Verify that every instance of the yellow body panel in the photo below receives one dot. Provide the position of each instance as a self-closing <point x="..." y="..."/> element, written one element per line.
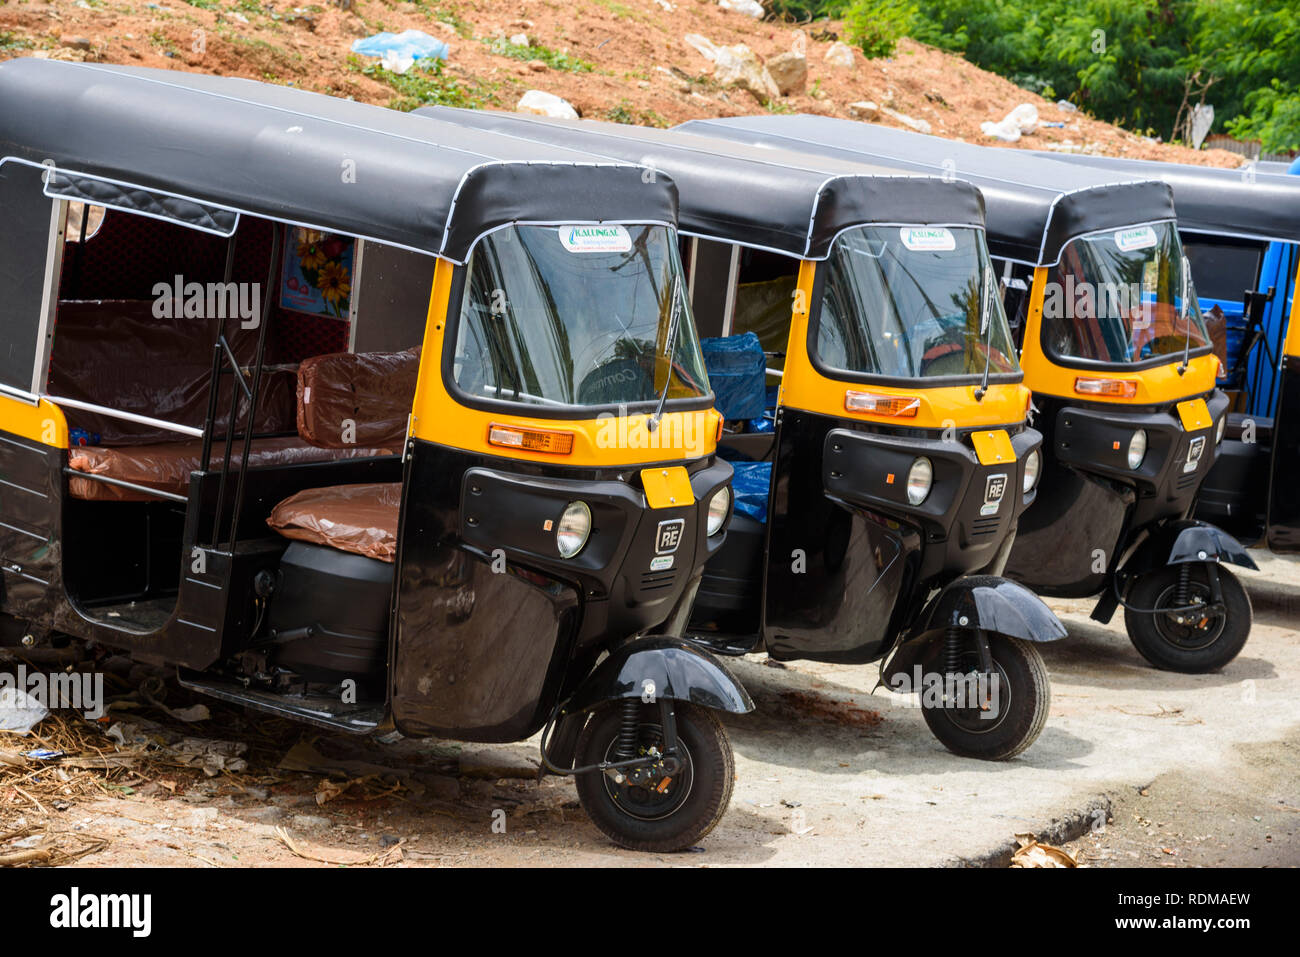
<point x="1195" y="415"/>
<point x="993" y="446"/>
<point x="604" y="441"/>
<point x="667" y="487"/>
<point x="1292" y="347"/>
<point x="43" y="422"/>
<point x="940" y="407"/>
<point x="1158" y="385"/>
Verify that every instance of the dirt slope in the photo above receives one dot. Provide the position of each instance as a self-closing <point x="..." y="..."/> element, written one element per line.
<point x="614" y="59"/>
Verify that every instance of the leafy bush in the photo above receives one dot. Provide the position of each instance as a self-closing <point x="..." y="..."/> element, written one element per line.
<point x="876" y="26"/>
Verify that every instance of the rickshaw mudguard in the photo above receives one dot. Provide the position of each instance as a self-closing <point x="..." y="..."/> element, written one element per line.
<point x="661" y="667"/>
<point x="990" y="603"/>
<point x="1183" y="541"/>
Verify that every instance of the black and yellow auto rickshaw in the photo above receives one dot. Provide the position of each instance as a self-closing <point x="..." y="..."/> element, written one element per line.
<point x="879" y="488"/>
<point x="1241" y="232"/>
<point x="1117" y="354"/>
<point x="364" y="420"/>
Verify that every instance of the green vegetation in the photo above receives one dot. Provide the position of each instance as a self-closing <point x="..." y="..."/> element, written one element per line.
<point x="1140" y="63"/>
<point x="552" y="58"/>
<point x="424" y="84"/>
<point x="625" y="112"/>
<point x="8" y="41"/>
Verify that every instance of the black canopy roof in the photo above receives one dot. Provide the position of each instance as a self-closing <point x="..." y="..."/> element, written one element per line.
<point x="794" y="203"/>
<point x="1225" y="202"/>
<point x="198" y="148"/>
<point x="1035" y="206"/>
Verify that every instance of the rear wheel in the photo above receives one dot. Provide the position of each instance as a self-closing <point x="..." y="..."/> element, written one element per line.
<point x="1005" y="718"/>
<point x="1188" y="641"/>
<point x="656" y="811"/>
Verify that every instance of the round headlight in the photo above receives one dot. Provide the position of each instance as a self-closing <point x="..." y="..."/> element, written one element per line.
<point x="1218" y="432"/>
<point x="919" y="478"/>
<point x="1137" y="448"/>
<point x="575" y="525"/>
<point x="719" y="505"/>
<point x="1033" y="462"/>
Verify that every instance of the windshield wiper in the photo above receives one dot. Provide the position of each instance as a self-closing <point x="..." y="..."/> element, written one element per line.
<point x="674" y="315"/>
<point x="1185" y="313"/>
<point x="986" y="331"/>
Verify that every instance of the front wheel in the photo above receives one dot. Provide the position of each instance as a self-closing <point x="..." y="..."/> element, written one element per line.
<point x="996" y="718"/>
<point x="657" y="812"/>
<point x="1190" y="641"/>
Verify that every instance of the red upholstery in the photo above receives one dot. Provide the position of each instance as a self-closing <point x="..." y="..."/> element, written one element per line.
<point x="167" y="465"/>
<point x="361" y="519"/>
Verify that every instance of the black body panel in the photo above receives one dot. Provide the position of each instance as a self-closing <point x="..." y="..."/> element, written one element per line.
<point x="492" y="626"/>
<point x="849" y="561"/>
<point x="1091" y="504"/>
<point x="1284" y="485"/>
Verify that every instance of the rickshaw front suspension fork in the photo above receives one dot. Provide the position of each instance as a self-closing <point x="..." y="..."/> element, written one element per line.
<point x="626" y="743"/>
<point x="954" y="648"/>
<point x="1182" y="593"/>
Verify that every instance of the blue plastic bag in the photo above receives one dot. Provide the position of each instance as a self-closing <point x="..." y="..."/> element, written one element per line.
<point x="738" y="373"/>
<point x="415" y="44"/>
<point x="750" y="486"/>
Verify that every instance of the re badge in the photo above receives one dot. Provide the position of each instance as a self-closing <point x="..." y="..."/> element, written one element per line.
<point x="669" y="536"/>
<point x="1194" y="451"/>
<point x="994" y="488"/>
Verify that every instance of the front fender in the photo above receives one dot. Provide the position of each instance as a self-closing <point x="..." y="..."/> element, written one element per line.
<point x="1183" y="541"/>
<point x="678" y="670"/>
<point x="990" y="603"/>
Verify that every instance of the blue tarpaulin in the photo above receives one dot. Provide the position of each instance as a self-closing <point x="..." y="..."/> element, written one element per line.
<point x="750" y="486"/>
<point x="737" y="372"/>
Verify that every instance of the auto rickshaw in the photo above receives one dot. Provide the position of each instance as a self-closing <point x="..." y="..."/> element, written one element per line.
<point x="879" y="488"/>
<point x="1117" y="354"/>
<point x="363" y="420"/>
<point x="1241" y="232"/>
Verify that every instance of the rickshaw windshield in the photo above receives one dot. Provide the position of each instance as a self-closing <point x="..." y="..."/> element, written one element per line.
<point x="1122" y="298"/>
<point x="913" y="302"/>
<point x="585" y="316"/>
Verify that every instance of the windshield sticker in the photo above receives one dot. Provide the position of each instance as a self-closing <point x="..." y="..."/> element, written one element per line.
<point x="928" y="238"/>
<point x="1141" y="237"/>
<point x="595" y="239"/>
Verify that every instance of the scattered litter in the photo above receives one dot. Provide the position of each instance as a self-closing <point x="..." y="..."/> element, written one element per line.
<point x="389" y="856"/>
<point x="1065" y="106"/>
<point x="44" y="754"/>
<point x="541" y="103"/>
<point x="1021" y="121"/>
<point x="750" y="8"/>
<point x="19" y="711"/>
<point x="1033" y="854"/>
<point x="398" y="51"/>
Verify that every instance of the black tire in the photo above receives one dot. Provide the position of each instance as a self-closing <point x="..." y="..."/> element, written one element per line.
<point x="681" y="819"/>
<point x="1184" y="646"/>
<point x="1024" y="697"/>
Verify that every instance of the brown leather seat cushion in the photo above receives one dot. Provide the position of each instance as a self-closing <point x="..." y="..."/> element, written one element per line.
<point x="347" y="399"/>
<point x="353" y="518"/>
<point x="167" y="465"/>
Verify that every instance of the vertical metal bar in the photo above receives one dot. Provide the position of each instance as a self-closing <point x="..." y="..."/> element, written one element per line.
<point x="214" y="392"/>
<point x="50" y="297"/>
<point x="230" y="439"/>
<point x="277" y="244"/>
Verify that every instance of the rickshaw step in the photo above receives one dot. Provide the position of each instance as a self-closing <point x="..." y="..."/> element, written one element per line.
<point x="324" y="711"/>
<point x="733" y="646"/>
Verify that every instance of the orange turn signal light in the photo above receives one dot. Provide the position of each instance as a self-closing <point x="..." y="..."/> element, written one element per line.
<point x="1113" y="388"/>
<point x="530" y="440"/>
<point x="897" y="406"/>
